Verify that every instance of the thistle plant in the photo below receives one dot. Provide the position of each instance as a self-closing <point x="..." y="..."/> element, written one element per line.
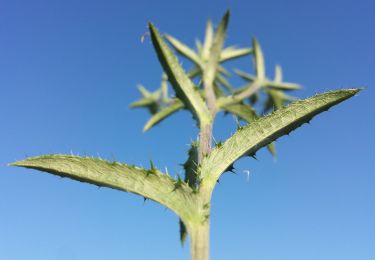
<point x="204" y="91"/>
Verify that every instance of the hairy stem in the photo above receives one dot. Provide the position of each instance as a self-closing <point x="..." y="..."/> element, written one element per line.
<point x="205" y="138"/>
<point x="199" y="244"/>
<point x="200" y="233"/>
<point x="205" y="135"/>
<point x="210" y="98"/>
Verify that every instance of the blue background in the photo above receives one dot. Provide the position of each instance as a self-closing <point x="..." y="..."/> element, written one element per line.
<point x="69" y="70"/>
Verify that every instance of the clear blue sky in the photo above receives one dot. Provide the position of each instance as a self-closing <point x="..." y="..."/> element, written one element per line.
<point x="69" y="70"/>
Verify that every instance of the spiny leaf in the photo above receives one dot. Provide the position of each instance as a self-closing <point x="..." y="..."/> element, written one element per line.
<point x="215" y="51"/>
<point x="144" y="91"/>
<point x="144" y="102"/>
<point x="183" y="86"/>
<point x="118" y="176"/>
<point x="199" y="47"/>
<point x="217" y="90"/>
<point x="275" y="84"/>
<point x="244" y="75"/>
<point x="149" y="100"/>
<point x="164" y="89"/>
<point x="208" y="39"/>
<point x="230" y="53"/>
<point x="163" y="114"/>
<point x="278" y="74"/>
<point x="258" y="60"/>
<point x="223" y="82"/>
<point x="276" y="99"/>
<point x="278" y="83"/>
<point x="282" y="85"/>
<point x="194" y="72"/>
<point x="184" y="50"/>
<point x="266" y="130"/>
<point x="223" y="71"/>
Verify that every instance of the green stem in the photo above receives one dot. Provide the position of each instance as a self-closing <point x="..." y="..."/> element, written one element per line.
<point x="205" y="139"/>
<point x="200" y="231"/>
<point x="200" y="241"/>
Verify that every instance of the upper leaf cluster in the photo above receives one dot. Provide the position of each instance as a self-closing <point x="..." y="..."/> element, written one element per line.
<point x="208" y="58"/>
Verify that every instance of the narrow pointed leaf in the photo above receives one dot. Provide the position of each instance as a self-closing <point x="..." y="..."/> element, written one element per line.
<point x="258" y="60"/>
<point x="158" y="187"/>
<point x="164" y="88"/>
<point x="278" y="83"/>
<point x="208" y="39"/>
<point x="148" y="97"/>
<point x="244" y="112"/>
<point x="278" y="74"/>
<point x="199" y="47"/>
<point x="183" y="86"/>
<point x="149" y="100"/>
<point x="184" y="50"/>
<point x="142" y="102"/>
<point x="217" y="90"/>
<point x="215" y="51"/>
<point x="282" y="85"/>
<point x="266" y="130"/>
<point x="231" y="53"/>
<point x="223" y="71"/>
<point x="144" y="91"/>
<point x="194" y="72"/>
<point x="244" y="75"/>
<point x="224" y="82"/>
<point x="163" y="114"/>
<point x="276" y="100"/>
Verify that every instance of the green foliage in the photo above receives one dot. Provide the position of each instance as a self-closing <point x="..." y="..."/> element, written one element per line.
<point x="190" y="196"/>
<point x="183" y="86"/>
<point x="191" y="178"/>
<point x="267" y="129"/>
<point x="162" y="114"/>
<point x="258" y="60"/>
<point x="213" y="62"/>
<point x="191" y="166"/>
<point x="151" y="184"/>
